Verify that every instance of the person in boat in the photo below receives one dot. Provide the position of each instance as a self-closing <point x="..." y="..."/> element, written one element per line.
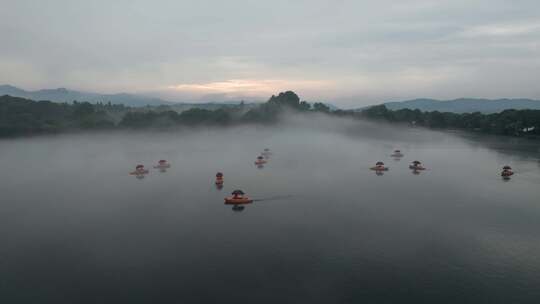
<point x="416" y="165"/>
<point x="219" y="178"/>
<point x="260" y="160"/>
<point x="238" y="194"/>
<point x="507" y="171"/>
<point x="139" y="170"/>
<point x="238" y="197"/>
<point x="379" y="166"/>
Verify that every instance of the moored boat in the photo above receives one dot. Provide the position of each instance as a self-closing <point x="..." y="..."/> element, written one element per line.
<point x="139" y="170"/>
<point x="379" y="166"/>
<point x="219" y="178"/>
<point x="260" y="161"/>
<point x="397" y="154"/>
<point x="507" y="172"/>
<point x="162" y="164"/>
<point x="417" y="166"/>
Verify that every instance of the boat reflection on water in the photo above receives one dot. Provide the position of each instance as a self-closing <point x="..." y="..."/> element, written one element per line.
<point x="379" y="173"/>
<point x="238" y="208"/>
<point x="397" y="155"/>
<point x="416" y="172"/>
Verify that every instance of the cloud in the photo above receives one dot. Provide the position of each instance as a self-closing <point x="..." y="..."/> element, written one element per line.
<point x="323" y="49"/>
<point x="238" y="88"/>
<point x="502" y="29"/>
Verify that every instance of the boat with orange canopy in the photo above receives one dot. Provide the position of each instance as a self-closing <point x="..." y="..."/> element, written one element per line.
<point x="238" y="198"/>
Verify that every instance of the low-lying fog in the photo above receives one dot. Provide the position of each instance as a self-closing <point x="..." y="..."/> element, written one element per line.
<point x="76" y="228"/>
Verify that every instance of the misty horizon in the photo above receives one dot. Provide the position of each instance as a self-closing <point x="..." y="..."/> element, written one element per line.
<point x="247" y="99"/>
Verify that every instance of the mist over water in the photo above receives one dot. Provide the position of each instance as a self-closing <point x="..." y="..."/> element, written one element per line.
<point x="76" y="228"/>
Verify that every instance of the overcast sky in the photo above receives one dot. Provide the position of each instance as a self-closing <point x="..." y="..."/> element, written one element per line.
<point x="347" y="52"/>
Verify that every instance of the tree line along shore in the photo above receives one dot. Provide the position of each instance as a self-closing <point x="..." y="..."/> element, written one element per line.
<point x="24" y="117"/>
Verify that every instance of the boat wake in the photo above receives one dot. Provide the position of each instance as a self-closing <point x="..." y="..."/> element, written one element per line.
<point x="272" y="198"/>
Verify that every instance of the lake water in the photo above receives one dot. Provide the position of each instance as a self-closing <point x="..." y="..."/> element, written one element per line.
<point x="76" y="228"/>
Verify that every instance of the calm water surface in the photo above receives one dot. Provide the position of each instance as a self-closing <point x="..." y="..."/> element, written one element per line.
<point x="76" y="228"/>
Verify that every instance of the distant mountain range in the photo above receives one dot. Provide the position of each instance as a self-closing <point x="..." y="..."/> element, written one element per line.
<point x="65" y="95"/>
<point x="131" y="100"/>
<point x="462" y="105"/>
<point x="465" y="105"/>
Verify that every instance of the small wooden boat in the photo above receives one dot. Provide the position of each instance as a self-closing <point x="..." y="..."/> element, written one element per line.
<point x="379" y="166"/>
<point x="260" y="161"/>
<point x="507" y="172"/>
<point x="238" y="198"/>
<point x="219" y="178"/>
<point x="416" y="165"/>
<point x="139" y="170"/>
<point x="397" y="153"/>
<point x="162" y="164"/>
